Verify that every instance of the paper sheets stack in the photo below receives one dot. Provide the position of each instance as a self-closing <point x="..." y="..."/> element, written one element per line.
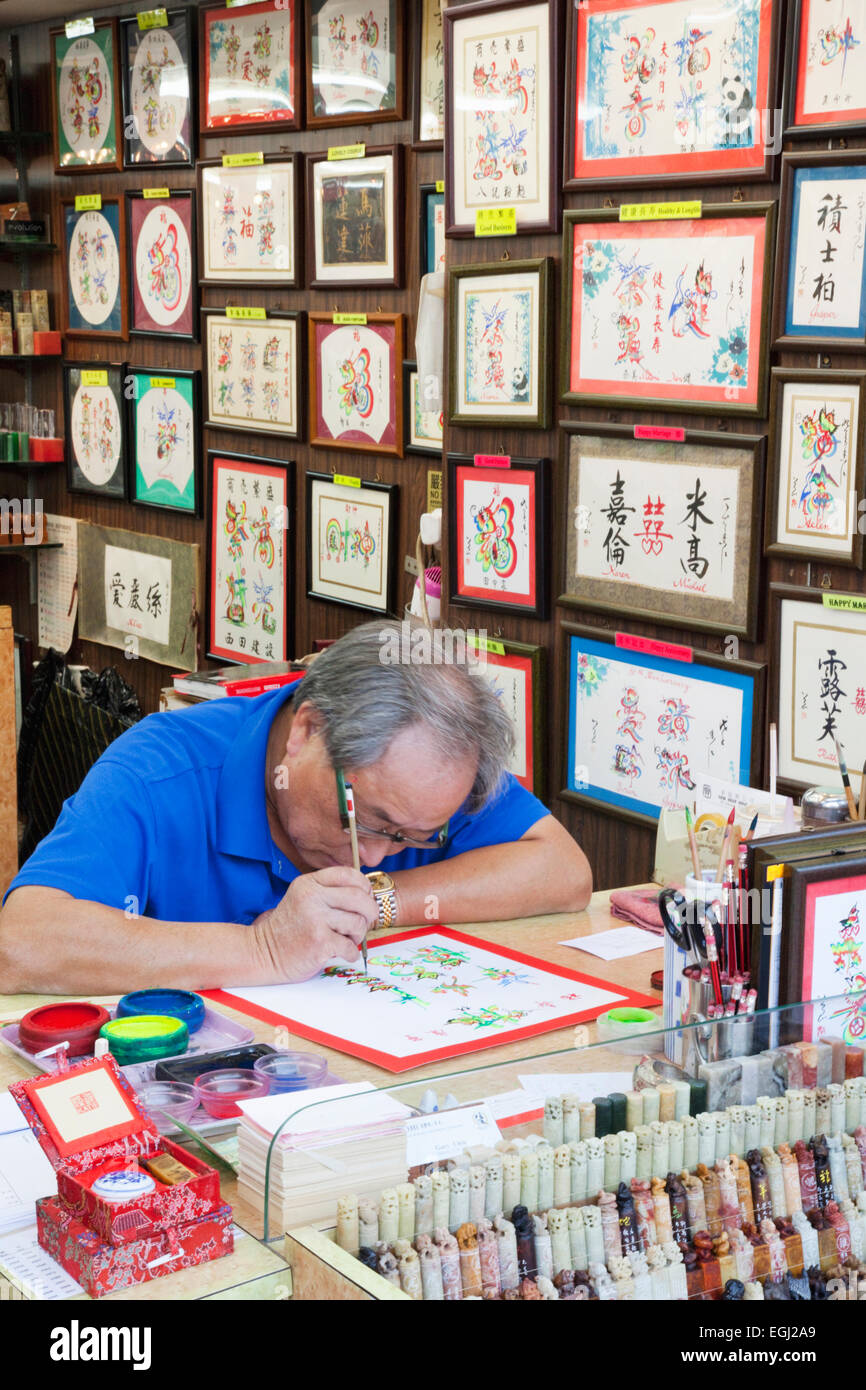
<point x="355" y="1142"/>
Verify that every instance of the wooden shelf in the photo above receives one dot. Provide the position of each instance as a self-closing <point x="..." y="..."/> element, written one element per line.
<point x="30" y="357"/>
<point x="20" y="548"/>
<point x="16" y="244"/>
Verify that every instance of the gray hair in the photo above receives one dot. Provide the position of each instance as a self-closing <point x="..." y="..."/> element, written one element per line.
<point x="365" y="700"/>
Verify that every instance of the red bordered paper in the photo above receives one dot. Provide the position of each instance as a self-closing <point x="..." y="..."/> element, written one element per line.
<point x="444" y="995"/>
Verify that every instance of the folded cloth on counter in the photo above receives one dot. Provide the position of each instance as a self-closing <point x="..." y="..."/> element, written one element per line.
<point x="639" y="906"/>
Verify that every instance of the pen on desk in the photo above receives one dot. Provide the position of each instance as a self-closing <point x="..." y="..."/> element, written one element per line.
<point x="693" y="844"/>
<point x="356" y="857"/>
<point x="846" y="781"/>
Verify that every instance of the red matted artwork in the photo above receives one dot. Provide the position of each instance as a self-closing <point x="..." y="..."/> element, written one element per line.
<point x="428" y="995"/>
<point x="356" y="397"/>
<point x="249" y="67"/>
<point x="671" y="313"/>
<point x="496" y="533"/>
<point x="829" y="66"/>
<point x="163" y="275"/>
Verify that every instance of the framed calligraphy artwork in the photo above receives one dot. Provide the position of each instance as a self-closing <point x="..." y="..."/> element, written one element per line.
<point x="353" y="222"/>
<point x="497" y="533"/>
<point x="354" y="61"/>
<point x="817" y="464"/>
<point x="818" y="642"/>
<point x="670" y="313"/>
<point x="95" y="428"/>
<point x="351" y="541"/>
<point x="664" y="528"/>
<point x="253" y="372"/>
<point x="431" y="230"/>
<point x="826" y="60"/>
<point x="249" y="557"/>
<point x="95" y="298"/>
<point x="820" y="287"/>
<point x="162" y="268"/>
<point x="643" y="727"/>
<point x="250" y="232"/>
<point x="823" y="927"/>
<point x="498" y="329"/>
<point x="502" y="113"/>
<point x="249" y="68"/>
<point x="85" y="96"/>
<point x="428" y="114"/>
<point x="424" y="429"/>
<point x="158" y="116"/>
<point x="164" y="433"/>
<point x="515" y="673"/>
<point x="667" y="92"/>
<point x="356" y="400"/>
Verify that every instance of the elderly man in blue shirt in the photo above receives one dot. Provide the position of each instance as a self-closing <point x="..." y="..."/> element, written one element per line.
<point x="206" y="847"/>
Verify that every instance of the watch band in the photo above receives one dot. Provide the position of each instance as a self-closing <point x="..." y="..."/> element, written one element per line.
<point x="386" y="901"/>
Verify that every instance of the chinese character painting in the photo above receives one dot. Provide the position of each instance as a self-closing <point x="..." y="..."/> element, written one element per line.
<point x="249" y="223"/>
<point x="249" y="68"/>
<point x="827" y="57"/>
<point x="830" y="931"/>
<point x="423" y="427"/>
<point x="356" y="400"/>
<point x="820" y="292"/>
<point x="157" y="97"/>
<point x="86" y="96"/>
<point x="514" y="672"/>
<point x="140" y="594"/>
<point x="163" y="272"/>
<point x="95" y="298"/>
<point x="95" y="431"/>
<point x="429" y="84"/>
<point x="354" y="61"/>
<point x="165" y="460"/>
<point x="498" y="326"/>
<point x="253" y="373"/>
<point x="496" y="533"/>
<point x="350" y="541"/>
<point x="353" y="219"/>
<point x="250" y="530"/>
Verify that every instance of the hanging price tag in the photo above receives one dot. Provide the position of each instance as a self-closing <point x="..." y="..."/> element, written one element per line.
<point x="487" y="644"/>
<point x="346" y="151"/>
<point x="343" y="480"/>
<point x="440" y="185"/>
<point x="350" y="319"/>
<point x="152" y="19"/>
<point x="156" y="192"/>
<point x="238" y="161"/>
<point x="77" y="28"/>
<point x="852" y="602"/>
<point x="491" y="460"/>
<point x="245" y="311"/>
<point x="658" y="212"/>
<point x="669" y="651"/>
<point x="88" y="202"/>
<point x="496" y="222"/>
<point x="666" y="433"/>
<point x="94" y="378"/>
<point x="162" y="383"/>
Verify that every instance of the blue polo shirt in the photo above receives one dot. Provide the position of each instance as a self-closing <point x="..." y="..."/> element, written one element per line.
<point x="171" y="822"/>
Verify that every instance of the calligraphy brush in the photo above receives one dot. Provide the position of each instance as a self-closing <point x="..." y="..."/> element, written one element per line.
<point x="724" y="854"/>
<point x="693" y="844"/>
<point x="732" y="960"/>
<point x="346" y="801"/>
<point x="743" y="857"/>
<point x="712" y="951"/>
<point x="846" y="781"/>
<point x="747" y="838"/>
<point x="861" y="809"/>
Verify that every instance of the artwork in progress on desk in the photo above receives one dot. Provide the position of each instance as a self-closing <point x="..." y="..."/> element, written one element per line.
<point x="247" y="558"/>
<point x="820" y="290"/>
<point x="249" y="68"/>
<point x="431" y="994"/>
<point x="643" y="727"/>
<point x="827" y="63"/>
<point x="249" y="223"/>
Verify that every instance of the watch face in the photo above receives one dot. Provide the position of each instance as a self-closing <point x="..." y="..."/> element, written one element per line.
<point x="380" y="881"/>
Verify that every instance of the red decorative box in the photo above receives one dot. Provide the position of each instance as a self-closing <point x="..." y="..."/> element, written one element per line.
<point x="88" y="1122"/>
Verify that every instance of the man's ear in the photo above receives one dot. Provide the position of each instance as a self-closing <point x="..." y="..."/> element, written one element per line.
<point x="306" y="724"/>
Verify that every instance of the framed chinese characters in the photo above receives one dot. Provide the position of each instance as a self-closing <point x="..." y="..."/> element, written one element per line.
<point x="428" y="116"/>
<point x="353" y="227"/>
<point x="158" y="125"/>
<point x="664" y="92"/>
<point x="498" y="330"/>
<point x="356" y="401"/>
<point x="164" y="432"/>
<point x="95" y="428"/>
<point x="668" y="313"/>
<point x="95" y="297"/>
<point x="817" y="464"/>
<point x="826" y="58"/>
<point x="354" y="61"/>
<point x="642" y="726"/>
<point x="431" y="230"/>
<point x="249" y="511"/>
<point x="351" y="541"/>
<point x="249" y="222"/>
<point x="85" y="93"/>
<point x="823" y="920"/>
<point x="664" y="528"/>
<point x="515" y="673"/>
<point x="818" y="639"/>
<point x="253" y="371"/>
<point x="249" y="68"/>
<point x="502" y="113"/>
<point x="423" y="428"/>
<point x="162" y="269"/>
<point x="820" y="287"/>
<point x="497" y="533"/>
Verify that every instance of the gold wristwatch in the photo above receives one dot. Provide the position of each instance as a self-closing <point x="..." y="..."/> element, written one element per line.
<point x="386" y="898"/>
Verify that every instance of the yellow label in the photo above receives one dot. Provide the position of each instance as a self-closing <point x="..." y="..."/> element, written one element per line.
<point x="239" y="161"/>
<point x="152" y="19"/>
<point x="775" y="871"/>
<point x="488" y="645"/>
<point x="658" y="212"/>
<point x="94" y="378"/>
<point x="496" y="222"/>
<point x="346" y="151"/>
<point x="434" y="489"/>
<point x="245" y="311"/>
<point x="350" y="318"/>
<point x="77" y="28"/>
<point x="343" y="480"/>
<point x="849" y="601"/>
<point x="162" y="383"/>
<point x="238" y="4"/>
<point x="440" y="185"/>
<point x="88" y="202"/>
<point x="156" y="192"/>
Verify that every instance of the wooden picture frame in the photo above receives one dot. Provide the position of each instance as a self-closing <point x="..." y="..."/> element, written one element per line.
<point x="816" y="78"/>
<point x="601" y="656"/>
<point x="254" y="372"/>
<point x="250" y="542"/>
<point x="379" y="31"/>
<point x="85" y="99"/>
<point x="679" y="322"/>
<point x="159" y="126"/>
<point x="515" y="139"/>
<point x="812" y="490"/>
<point x="823" y="909"/>
<point x="498" y="534"/>
<point x="423" y="429"/>
<point x="626" y="75"/>
<point x="346" y="564"/>
<point x="498" y="326"/>
<point x="356" y="397"/>
<point x="431" y="228"/>
<point x="162" y="272"/>
<point x="164" y="431"/>
<point x="354" y="209"/>
<point x="796" y="322"/>
<point x="250" y="223"/>
<point x="626" y="547"/>
<point x="428" y="86"/>
<point x="97" y="281"/>
<point x="516" y="672"/>
<point x="96" y="428"/>
<point x="232" y="43"/>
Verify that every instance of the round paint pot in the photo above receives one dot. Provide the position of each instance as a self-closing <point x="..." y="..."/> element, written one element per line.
<point x="220" y="1091"/>
<point x="166" y="1101"/>
<point x="144" y="1038"/>
<point x="170" y="1003"/>
<point x="291" y="1071"/>
<point x="77" y="1023"/>
<point x="123" y="1185"/>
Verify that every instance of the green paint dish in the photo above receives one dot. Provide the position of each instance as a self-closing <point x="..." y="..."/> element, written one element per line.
<point x="144" y="1038"/>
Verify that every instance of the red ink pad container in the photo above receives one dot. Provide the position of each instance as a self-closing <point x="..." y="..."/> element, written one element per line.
<point x="77" y="1023"/>
<point x="220" y="1091"/>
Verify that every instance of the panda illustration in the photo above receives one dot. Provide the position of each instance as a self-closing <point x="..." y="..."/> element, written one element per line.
<point x="736" y="109"/>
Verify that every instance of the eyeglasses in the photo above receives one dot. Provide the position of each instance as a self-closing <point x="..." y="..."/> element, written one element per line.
<point x="401" y="838"/>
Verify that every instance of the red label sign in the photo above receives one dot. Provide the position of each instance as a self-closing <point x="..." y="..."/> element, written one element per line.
<point x="670" y="650"/>
<point x="666" y="432"/>
<point x="492" y="460"/>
